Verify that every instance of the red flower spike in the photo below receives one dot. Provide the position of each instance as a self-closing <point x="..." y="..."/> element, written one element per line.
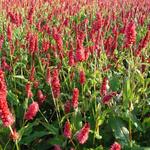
<point x="75" y="98"/>
<point x="83" y="134"/>
<point x="67" y="106"/>
<point x="55" y="83"/>
<point x="67" y="130"/>
<point x="82" y="77"/>
<point x="71" y="58"/>
<point x="36" y="84"/>
<point x="143" y="44"/>
<point x="1" y="41"/>
<point x="115" y="146"/>
<point x="41" y="97"/>
<point x="108" y="97"/>
<point x="130" y="34"/>
<point x="32" y="74"/>
<point x="9" y="33"/>
<point x="48" y="76"/>
<point x="5" y="66"/>
<point x="5" y="114"/>
<point x="28" y="90"/>
<point x="32" y="111"/>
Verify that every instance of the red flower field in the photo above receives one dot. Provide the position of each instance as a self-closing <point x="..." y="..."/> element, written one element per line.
<point x="75" y="74"/>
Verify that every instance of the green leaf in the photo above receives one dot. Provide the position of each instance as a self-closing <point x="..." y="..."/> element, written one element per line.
<point x="120" y="131"/>
<point x="37" y="134"/>
<point x="20" y="77"/>
<point x="12" y="98"/>
<point x="115" y="83"/>
<point x="52" y="130"/>
<point x="146" y="122"/>
<point x="57" y="140"/>
<point x="127" y="92"/>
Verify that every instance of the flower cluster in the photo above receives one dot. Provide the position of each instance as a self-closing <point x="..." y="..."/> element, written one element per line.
<point x="32" y="111"/>
<point x="5" y="114"/>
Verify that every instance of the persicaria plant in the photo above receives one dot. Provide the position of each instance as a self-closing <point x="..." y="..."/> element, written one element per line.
<point x="75" y="74"/>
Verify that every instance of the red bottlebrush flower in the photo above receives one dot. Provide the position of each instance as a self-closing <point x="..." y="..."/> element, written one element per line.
<point x="48" y="76"/>
<point x="75" y="98"/>
<point x="83" y="134"/>
<point x="97" y="24"/>
<point x="66" y="22"/>
<point x="67" y="130"/>
<point x="15" y="18"/>
<point x="115" y="146"/>
<point x="32" y="111"/>
<point x="38" y="26"/>
<point x="9" y="33"/>
<point x="30" y="14"/>
<point x="45" y="46"/>
<point x="55" y="83"/>
<point x="104" y="87"/>
<point x="58" y="39"/>
<point x="15" y="135"/>
<point x="71" y="58"/>
<point x="108" y="97"/>
<point x="5" y="113"/>
<point x="33" y="43"/>
<point x="4" y="64"/>
<point x="41" y="97"/>
<point x="130" y="34"/>
<point x="80" y="54"/>
<point x="82" y="77"/>
<point x="32" y="73"/>
<point x="143" y="44"/>
<point x="36" y="84"/>
<point x="67" y="107"/>
<point x="80" y="51"/>
<point x="28" y="90"/>
<point x="46" y="28"/>
<point x="1" y="41"/>
<point x="86" y="53"/>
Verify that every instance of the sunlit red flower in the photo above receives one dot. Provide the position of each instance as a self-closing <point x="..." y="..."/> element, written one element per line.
<point x="82" y="77"/>
<point x="143" y="43"/>
<point x="108" y="97"/>
<point x="32" y="73"/>
<point x="41" y="97"/>
<point x="67" y="106"/>
<point x="9" y="33"/>
<point x="75" y="98"/>
<point x="130" y="34"/>
<point x="67" y="130"/>
<point x="115" y="146"/>
<point x="71" y="58"/>
<point x="28" y="90"/>
<point x="1" y="41"/>
<point x="48" y="76"/>
<point x="32" y="111"/>
<point x="5" y="114"/>
<point x="55" y="83"/>
<point x="83" y="134"/>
